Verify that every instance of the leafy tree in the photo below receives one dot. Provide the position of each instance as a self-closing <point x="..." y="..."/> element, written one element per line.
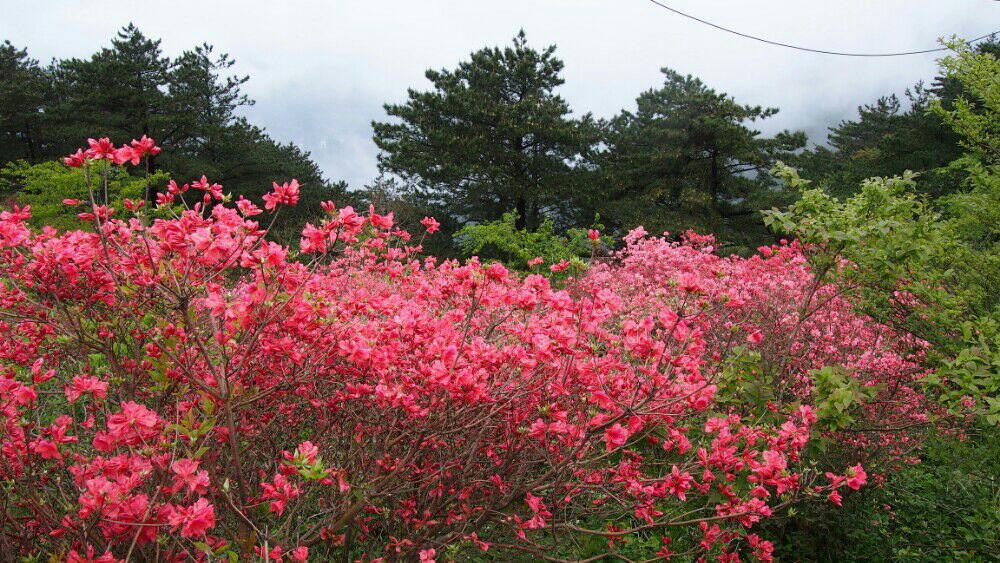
<point x="492" y="136"/>
<point x="687" y="158"/>
<point x="22" y="89"/>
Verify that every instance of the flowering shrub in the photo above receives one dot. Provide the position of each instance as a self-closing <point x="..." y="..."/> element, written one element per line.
<point x="185" y="388"/>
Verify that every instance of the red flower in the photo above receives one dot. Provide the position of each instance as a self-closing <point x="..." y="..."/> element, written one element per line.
<point x="283" y="194"/>
<point x="615" y="437"/>
<point x="100" y="148"/>
<point x="76" y="159"/>
<point x="145" y="146"/>
<point x="193" y="521"/>
<point x="431" y="224"/>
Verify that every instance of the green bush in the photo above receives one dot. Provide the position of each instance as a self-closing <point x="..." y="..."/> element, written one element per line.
<point x="947" y="508"/>
<point x="45" y="185"/>
<point x="502" y="240"/>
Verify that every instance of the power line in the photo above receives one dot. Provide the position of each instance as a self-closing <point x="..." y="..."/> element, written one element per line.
<point x="807" y="49"/>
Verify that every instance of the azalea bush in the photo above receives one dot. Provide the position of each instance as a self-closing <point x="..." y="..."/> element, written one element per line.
<point x="184" y="388"/>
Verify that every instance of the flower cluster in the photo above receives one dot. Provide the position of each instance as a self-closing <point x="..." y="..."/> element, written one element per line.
<point x="188" y="389"/>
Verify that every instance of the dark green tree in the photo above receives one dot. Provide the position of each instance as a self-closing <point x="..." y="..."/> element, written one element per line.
<point x="892" y="136"/>
<point x="189" y="104"/>
<point x="119" y="93"/>
<point x="885" y="140"/>
<point x="492" y="136"/>
<point x="687" y="157"/>
<point x="22" y="92"/>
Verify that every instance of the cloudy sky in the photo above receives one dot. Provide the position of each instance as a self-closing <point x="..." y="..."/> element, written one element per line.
<point x="320" y="70"/>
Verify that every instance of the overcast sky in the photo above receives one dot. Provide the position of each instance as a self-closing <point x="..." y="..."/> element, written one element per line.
<point x="321" y="70"/>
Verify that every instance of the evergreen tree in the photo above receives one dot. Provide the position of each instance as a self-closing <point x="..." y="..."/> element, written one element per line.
<point x="888" y="138"/>
<point x="117" y="93"/>
<point x="885" y="140"/>
<point x="687" y="158"/>
<point x="22" y="89"/>
<point x="492" y="136"/>
<point x="189" y="104"/>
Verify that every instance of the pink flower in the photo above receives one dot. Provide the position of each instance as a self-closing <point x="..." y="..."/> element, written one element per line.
<point x="496" y="272"/>
<point x="47" y="449"/>
<point x="562" y="265"/>
<point x="755" y="337"/>
<point x="427" y="556"/>
<point x="431" y="224"/>
<point x="193" y="521"/>
<point x="75" y="557"/>
<point x="280" y="490"/>
<point x="678" y="483"/>
<point x="247" y="208"/>
<point x="86" y="384"/>
<point x="125" y="154"/>
<point x="75" y="160"/>
<point x="100" y="149"/>
<point x="594" y="235"/>
<point x="379" y="221"/>
<point x="187" y="475"/>
<point x="615" y="437"/>
<point x="856" y="477"/>
<point x="534" y="503"/>
<point x="212" y="190"/>
<point x="145" y="146"/>
<point x="283" y="194"/>
<point x="307" y="451"/>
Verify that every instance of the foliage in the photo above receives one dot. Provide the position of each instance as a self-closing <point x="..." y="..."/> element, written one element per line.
<point x="526" y="250"/>
<point x="45" y="186"/>
<point x="930" y="268"/>
<point x="687" y="158"/>
<point x="947" y="508"/>
<point x="183" y="387"/>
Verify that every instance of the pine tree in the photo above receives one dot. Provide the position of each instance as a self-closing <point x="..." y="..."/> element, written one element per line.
<point x="492" y="136"/>
<point x="22" y="90"/>
<point x="688" y="158"/>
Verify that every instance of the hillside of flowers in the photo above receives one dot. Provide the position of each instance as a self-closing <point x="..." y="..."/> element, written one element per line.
<point x="176" y="386"/>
